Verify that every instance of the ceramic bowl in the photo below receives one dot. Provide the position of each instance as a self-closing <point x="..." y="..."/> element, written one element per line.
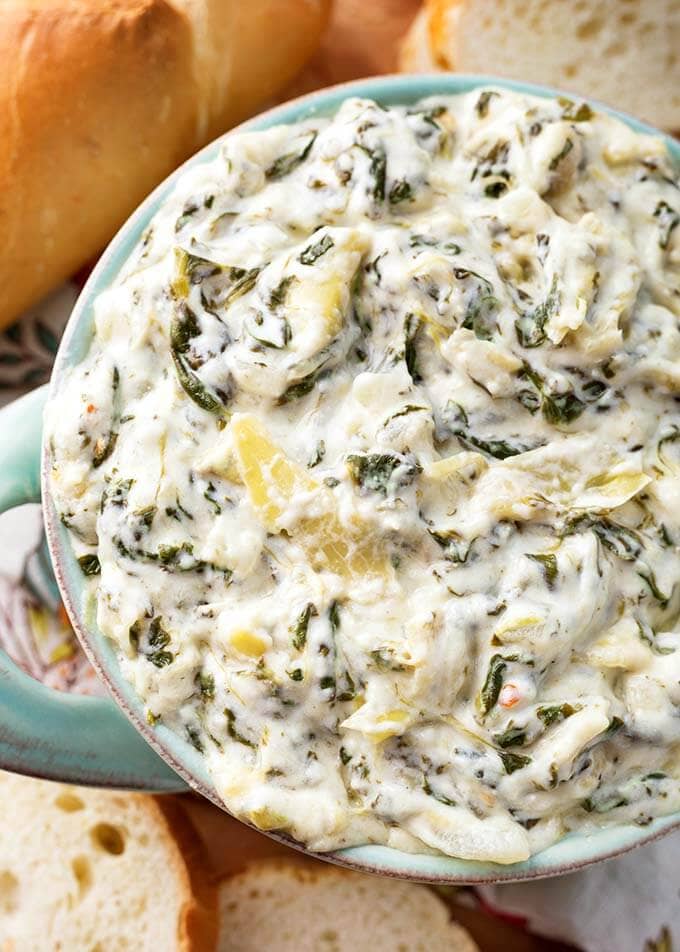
<point x="88" y="740"/>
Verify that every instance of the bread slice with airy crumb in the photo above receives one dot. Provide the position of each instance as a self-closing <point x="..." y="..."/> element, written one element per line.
<point x="288" y="907"/>
<point x="623" y="52"/>
<point x="97" y="871"/>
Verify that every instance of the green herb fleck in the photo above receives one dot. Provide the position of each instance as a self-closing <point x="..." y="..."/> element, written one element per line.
<point x="575" y="112"/>
<point x="668" y="219"/>
<point x="512" y="762"/>
<point x="530" y="327"/>
<point x="195" y="738"/>
<point x="313" y="252"/>
<point x="382" y="472"/>
<point x="562" y="154"/>
<point x="301" y="388"/>
<point x="278" y="295"/>
<point x="412" y="325"/>
<point x="287" y="163"/>
<point x="488" y="696"/>
<point x="554" y="713"/>
<point x="482" y="104"/>
<point x="231" y="729"/>
<point x="456" y="421"/>
<point x="89" y="564"/>
<point x="206" y="685"/>
<point x="548" y="563"/>
<point x="301" y="626"/>
<point x="512" y="737"/>
<point x="400" y="192"/>
<point x="437" y="796"/>
<point x="318" y="454"/>
<point x="378" y="172"/>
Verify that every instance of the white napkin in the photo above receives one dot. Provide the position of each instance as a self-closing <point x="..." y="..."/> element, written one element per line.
<point x="628" y="904"/>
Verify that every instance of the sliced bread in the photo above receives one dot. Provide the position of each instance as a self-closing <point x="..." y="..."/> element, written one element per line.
<point x="286" y="907"/>
<point x="98" y="871"/>
<point x="624" y="52"/>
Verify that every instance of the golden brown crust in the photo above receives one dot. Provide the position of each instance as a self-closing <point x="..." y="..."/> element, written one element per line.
<point x="100" y="100"/>
<point x="439" y="14"/>
<point x="198" y="925"/>
<point x="85" y="87"/>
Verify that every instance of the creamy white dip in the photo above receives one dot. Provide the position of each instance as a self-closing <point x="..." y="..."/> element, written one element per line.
<point x="375" y="463"/>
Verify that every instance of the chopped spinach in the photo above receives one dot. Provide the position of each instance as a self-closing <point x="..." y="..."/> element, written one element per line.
<point x="561" y="155"/>
<point x="548" y="563"/>
<point x="437" y="796"/>
<point x="382" y="472"/>
<point x="412" y="325"/>
<point x="555" y="407"/>
<point x="233" y="732"/>
<point x="668" y="219"/>
<point x="313" y="252"/>
<point x="334" y="616"/>
<point x="195" y="739"/>
<point x="206" y="685"/>
<point x="184" y="328"/>
<point x="530" y="327"/>
<point x="455" y="419"/>
<point x="554" y="713"/>
<point x="456" y="549"/>
<point x="378" y="172"/>
<point x="512" y="762"/>
<point x="159" y="639"/>
<point x="512" y="737"/>
<point x="278" y="295"/>
<point x="626" y="545"/>
<point x="89" y="564"/>
<point x="301" y="626"/>
<point x="482" y="104"/>
<point x="287" y="163"/>
<point x="104" y="446"/>
<point x="301" y="388"/>
<point x="244" y="281"/>
<point x="575" y="112"/>
<point x="318" y="455"/>
<point x="188" y="212"/>
<point x="488" y="695"/>
<point x="400" y="192"/>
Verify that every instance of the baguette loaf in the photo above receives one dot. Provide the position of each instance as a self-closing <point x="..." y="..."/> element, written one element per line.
<point x="101" y="99"/>
<point x="95" y="870"/>
<point x="282" y="906"/>
<point x="625" y="53"/>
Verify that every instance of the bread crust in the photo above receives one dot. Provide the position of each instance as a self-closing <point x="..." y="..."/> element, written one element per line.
<point x="101" y="99"/>
<point x="439" y="13"/>
<point x="72" y="119"/>
<point x="198" y="922"/>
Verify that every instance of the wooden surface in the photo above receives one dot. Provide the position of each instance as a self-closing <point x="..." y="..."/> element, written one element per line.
<point x="361" y="41"/>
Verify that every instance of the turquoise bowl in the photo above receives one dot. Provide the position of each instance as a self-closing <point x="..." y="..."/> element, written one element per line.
<point x="89" y="740"/>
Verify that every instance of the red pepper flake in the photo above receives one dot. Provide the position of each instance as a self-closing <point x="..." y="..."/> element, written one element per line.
<point x="91" y="408"/>
<point x="509" y="696"/>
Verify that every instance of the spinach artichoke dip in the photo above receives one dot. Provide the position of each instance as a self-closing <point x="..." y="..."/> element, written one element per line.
<point x="374" y="463"/>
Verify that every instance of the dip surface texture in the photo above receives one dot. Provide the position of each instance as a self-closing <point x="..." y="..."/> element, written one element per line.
<point x="374" y="463"/>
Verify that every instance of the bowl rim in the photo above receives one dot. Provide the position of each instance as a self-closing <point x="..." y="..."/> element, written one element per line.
<point x="575" y="850"/>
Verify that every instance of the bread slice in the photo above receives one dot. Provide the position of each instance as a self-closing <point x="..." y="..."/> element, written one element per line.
<point x="415" y="55"/>
<point x="624" y="52"/>
<point x="286" y="907"/>
<point x="97" y="871"/>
